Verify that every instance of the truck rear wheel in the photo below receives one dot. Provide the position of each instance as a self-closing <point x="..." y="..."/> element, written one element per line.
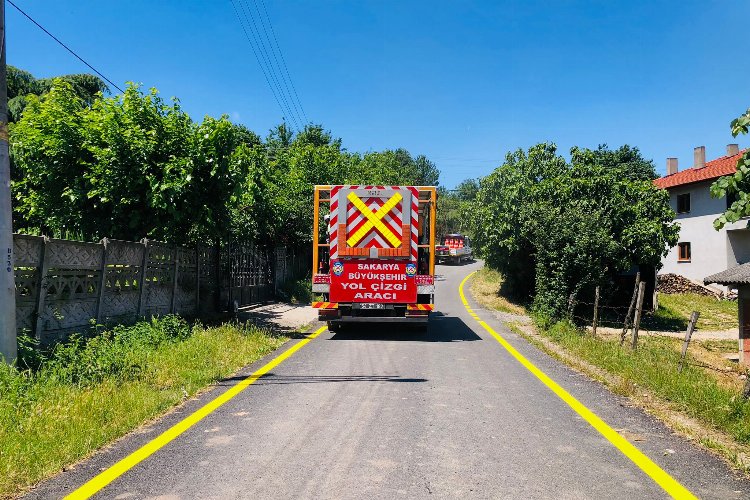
<point x="335" y="327"/>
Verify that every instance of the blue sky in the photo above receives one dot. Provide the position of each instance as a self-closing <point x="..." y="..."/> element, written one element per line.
<point x="462" y="82"/>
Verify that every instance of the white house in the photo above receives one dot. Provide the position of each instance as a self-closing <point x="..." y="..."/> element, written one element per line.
<point x="703" y="251"/>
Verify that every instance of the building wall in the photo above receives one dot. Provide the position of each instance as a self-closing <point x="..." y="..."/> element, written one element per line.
<point x="738" y="248"/>
<point x="710" y="251"/>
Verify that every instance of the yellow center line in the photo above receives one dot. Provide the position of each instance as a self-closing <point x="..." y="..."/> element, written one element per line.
<point x="667" y="482"/>
<point x="107" y="476"/>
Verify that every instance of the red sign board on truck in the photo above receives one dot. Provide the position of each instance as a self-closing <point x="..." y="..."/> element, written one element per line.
<point x="373" y="281"/>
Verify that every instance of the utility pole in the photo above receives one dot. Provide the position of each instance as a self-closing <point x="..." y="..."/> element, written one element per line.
<point x="8" y="345"/>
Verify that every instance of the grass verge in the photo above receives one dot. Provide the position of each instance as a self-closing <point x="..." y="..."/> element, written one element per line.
<point x="703" y="403"/>
<point x="83" y="395"/>
<point x="654" y="366"/>
<point x="485" y="288"/>
<point x="674" y="311"/>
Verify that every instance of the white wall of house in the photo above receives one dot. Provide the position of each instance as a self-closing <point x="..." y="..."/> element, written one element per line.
<point x="711" y="251"/>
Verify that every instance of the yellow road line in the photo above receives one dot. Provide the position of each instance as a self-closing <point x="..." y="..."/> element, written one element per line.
<point x="107" y="476"/>
<point x="667" y="482"/>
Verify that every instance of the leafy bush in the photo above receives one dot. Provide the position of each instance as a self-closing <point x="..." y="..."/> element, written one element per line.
<point x="554" y="228"/>
<point x="84" y="361"/>
<point x="297" y="291"/>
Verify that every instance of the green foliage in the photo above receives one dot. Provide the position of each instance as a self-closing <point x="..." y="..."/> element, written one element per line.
<point x="737" y="185"/>
<point x="554" y="229"/>
<point x="49" y="157"/>
<point x="80" y="396"/>
<point x="22" y="84"/>
<point x="626" y="161"/>
<point x="134" y="165"/>
<point x="297" y="291"/>
<point x="454" y="207"/>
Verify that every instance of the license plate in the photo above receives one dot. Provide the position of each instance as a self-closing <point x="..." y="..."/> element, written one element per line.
<point x="370" y="306"/>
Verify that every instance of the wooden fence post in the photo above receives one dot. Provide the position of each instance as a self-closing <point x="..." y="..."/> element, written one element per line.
<point x="571" y="305"/>
<point x="688" y="335"/>
<point x="175" y="275"/>
<point x="142" y="280"/>
<point x="41" y="292"/>
<point x="596" y="312"/>
<point x="102" y="280"/>
<point x="638" y="313"/>
<point x="630" y="309"/>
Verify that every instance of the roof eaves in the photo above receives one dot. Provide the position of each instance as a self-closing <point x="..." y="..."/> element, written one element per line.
<point x="738" y="275"/>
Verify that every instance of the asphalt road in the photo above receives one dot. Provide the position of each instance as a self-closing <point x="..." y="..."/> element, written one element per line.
<point x="387" y="412"/>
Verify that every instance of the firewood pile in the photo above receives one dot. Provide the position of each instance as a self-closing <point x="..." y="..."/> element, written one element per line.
<point x="674" y="283"/>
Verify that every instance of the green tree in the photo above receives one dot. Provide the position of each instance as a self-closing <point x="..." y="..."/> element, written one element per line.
<point x="49" y="156"/>
<point x="22" y="84"/>
<point x="454" y="208"/>
<point x="737" y="185"/>
<point x="133" y="165"/>
<point x="127" y="167"/>
<point x="626" y="160"/>
<point x="555" y="229"/>
<point x="467" y="190"/>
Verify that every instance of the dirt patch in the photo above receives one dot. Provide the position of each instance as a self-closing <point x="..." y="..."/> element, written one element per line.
<point x="279" y="315"/>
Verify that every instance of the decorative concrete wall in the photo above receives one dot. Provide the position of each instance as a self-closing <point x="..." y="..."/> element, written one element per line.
<point x="65" y="287"/>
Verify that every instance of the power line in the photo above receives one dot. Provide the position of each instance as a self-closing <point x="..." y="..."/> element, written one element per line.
<point x="65" y="46"/>
<point x="294" y="105"/>
<point x="283" y="60"/>
<point x="266" y="59"/>
<point x="257" y="58"/>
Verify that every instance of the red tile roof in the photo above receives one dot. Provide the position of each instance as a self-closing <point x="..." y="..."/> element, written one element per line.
<point x="713" y="170"/>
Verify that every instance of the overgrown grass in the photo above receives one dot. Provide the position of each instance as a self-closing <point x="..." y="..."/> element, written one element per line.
<point x="654" y="366"/>
<point x="486" y="289"/>
<point x="83" y="395"/>
<point x="675" y="309"/>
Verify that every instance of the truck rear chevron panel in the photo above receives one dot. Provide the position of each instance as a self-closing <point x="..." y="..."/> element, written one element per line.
<point x="377" y="217"/>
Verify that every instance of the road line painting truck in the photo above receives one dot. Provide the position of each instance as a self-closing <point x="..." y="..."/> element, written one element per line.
<point x="374" y="254"/>
<point x="454" y="248"/>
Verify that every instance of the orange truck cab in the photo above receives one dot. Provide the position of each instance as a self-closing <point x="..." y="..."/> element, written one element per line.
<point x="374" y="254"/>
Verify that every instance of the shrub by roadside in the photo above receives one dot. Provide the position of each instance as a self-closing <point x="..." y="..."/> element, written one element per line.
<point x="298" y="291"/>
<point x="64" y="404"/>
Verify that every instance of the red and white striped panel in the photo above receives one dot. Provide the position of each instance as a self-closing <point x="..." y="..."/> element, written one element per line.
<point x="392" y="220"/>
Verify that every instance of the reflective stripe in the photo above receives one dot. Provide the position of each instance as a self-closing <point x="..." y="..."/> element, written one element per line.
<point x="325" y="305"/>
<point x="420" y="307"/>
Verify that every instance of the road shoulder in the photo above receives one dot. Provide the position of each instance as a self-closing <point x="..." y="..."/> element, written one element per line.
<point x="702" y="472"/>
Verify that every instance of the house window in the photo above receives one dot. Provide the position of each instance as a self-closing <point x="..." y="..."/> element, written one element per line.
<point x="683" y="203"/>
<point x="683" y="252"/>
